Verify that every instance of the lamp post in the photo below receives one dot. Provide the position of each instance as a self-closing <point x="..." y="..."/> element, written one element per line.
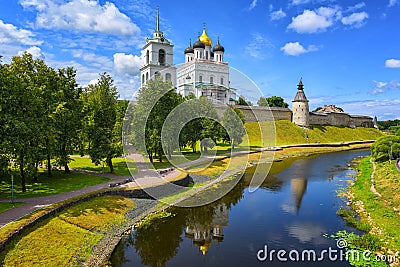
<point x="390" y="153"/>
<point x="12" y="189"/>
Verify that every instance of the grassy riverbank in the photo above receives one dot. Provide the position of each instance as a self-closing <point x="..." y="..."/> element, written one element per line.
<point x="288" y="133"/>
<point x="382" y="213"/>
<point x="378" y="216"/>
<point x="68" y="239"/>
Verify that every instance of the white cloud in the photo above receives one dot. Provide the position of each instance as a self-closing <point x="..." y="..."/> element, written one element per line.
<point x="295" y="49"/>
<point x="277" y="15"/>
<point x="313" y="21"/>
<point x="11" y="34"/>
<point x="383" y="87"/>
<point x="355" y="19"/>
<point x="392" y="3"/>
<point x="380" y="84"/>
<point x="259" y="46"/>
<point x="91" y="58"/>
<point x="129" y="64"/>
<point x="392" y="63"/>
<point x="82" y="15"/>
<point x="299" y="2"/>
<point x="253" y="4"/>
<point x="35" y="51"/>
<point x="356" y="7"/>
<point x="372" y="108"/>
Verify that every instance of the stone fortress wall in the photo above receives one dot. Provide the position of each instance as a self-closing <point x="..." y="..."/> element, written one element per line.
<point x="300" y="115"/>
<point x="252" y="114"/>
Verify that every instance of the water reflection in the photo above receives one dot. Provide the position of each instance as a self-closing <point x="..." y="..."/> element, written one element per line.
<point x="201" y="233"/>
<point x="298" y="187"/>
<point x="293" y="208"/>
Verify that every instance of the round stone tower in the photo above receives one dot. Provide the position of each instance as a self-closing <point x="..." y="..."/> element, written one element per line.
<point x="300" y="109"/>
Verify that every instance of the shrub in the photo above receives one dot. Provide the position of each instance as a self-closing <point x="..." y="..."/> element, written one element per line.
<point x="381" y="148"/>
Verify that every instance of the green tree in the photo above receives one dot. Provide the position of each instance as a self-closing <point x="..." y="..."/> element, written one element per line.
<point x="381" y="148"/>
<point x="67" y="116"/>
<point x="22" y="113"/>
<point x="204" y="127"/>
<point x="101" y="117"/>
<point x="273" y="101"/>
<point x="154" y="102"/>
<point x="243" y="102"/>
<point x="384" y="125"/>
<point x="395" y="130"/>
<point x="233" y="122"/>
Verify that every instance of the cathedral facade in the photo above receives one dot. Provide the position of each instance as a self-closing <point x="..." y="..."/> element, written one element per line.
<point x="204" y="73"/>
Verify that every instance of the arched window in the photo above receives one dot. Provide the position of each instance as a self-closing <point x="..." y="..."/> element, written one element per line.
<point x="147" y="76"/>
<point x="200" y="78"/>
<point x="142" y="78"/>
<point x="147" y="57"/>
<point x="161" y="56"/>
<point x="222" y="81"/>
<point x="211" y="79"/>
<point x="168" y="77"/>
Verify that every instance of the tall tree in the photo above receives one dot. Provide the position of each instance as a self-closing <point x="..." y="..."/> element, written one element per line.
<point x="24" y="112"/>
<point x="101" y="99"/>
<point x="154" y="102"/>
<point x="67" y="116"/>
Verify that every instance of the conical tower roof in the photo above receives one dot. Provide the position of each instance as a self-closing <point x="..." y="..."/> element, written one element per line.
<point x="300" y="95"/>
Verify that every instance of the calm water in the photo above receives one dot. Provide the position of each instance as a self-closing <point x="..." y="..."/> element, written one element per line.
<point x="295" y="206"/>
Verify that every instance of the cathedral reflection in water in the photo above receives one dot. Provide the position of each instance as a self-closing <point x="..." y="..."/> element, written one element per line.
<point x="202" y="234"/>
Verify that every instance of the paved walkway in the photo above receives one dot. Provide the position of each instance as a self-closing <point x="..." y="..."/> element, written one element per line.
<point x="145" y="178"/>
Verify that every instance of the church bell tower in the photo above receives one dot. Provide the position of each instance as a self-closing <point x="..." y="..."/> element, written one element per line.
<point x="158" y="57"/>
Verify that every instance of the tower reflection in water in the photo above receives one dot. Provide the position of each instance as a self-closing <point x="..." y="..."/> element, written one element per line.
<point x="298" y="187"/>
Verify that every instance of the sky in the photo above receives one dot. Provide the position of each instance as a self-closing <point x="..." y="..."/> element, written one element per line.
<point x="347" y="52"/>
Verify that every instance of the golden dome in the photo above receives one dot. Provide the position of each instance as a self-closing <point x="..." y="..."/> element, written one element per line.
<point x="205" y="39"/>
<point x="204" y="248"/>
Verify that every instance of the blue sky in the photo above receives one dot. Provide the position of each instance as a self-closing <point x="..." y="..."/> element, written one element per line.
<point x="348" y="52"/>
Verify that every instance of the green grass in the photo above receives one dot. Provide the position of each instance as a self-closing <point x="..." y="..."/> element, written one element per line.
<point x="8" y="205"/>
<point x="120" y="166"/>
<point x="99" y="214"/>
<point x="68" y="239"/>
<point x="288" y="133"/>
<point x="381" y="211"/>
<point x="56" y="243"/>
<point x="350" y="216"/>
<point x="58" y="183"/>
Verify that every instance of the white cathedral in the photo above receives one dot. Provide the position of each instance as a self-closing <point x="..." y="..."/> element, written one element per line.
<point x="204" y="73"/>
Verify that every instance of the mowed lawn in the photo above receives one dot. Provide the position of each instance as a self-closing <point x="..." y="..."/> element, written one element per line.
<point x="120" y="165"/>
<point x="8" y="205"/>
<point x="58" y="183"/>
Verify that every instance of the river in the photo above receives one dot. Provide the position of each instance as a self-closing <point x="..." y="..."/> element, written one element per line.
<point x="292" y="210"/>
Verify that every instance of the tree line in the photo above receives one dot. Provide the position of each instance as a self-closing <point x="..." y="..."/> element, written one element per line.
<point x="45" y="116"/>
<point x="159" y="109"/>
